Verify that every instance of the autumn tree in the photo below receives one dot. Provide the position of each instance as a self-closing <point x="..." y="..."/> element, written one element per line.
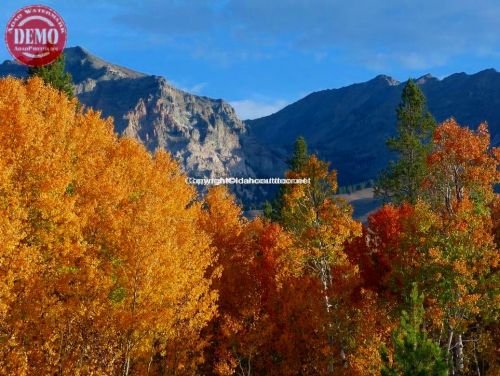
<point x="447" y="244"/>
<point x="461" y="256"/>
<point x="158" y="260"/>
<point x="247" y="265"/>
<point x="320" y="223"/>
<point x="402" y="179"/>
<point x="47" y="263"/>
<point x="222" y="219"/>
<point x="385" y="258"/>
<point x="445" y="241"/>
<point x="462" y="166"/>
<point x="104" y="269"/>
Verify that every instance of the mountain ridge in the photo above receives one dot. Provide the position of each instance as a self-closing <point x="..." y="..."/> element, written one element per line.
<point x="202" y="133"/>
<point x="347" y="126"/>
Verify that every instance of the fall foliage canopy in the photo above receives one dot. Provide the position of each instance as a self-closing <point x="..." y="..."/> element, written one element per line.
<point x="103" y="267"/>
<point x="111" y="264"/>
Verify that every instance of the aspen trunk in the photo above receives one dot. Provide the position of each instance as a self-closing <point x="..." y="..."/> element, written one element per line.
<point x="460" y="354"/>
<point x="126" y="365"/>
<point x="450" y="354"/>
<point x="326" y="281"/>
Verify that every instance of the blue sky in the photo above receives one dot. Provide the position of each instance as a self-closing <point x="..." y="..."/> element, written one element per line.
<point x="263" y="54"/>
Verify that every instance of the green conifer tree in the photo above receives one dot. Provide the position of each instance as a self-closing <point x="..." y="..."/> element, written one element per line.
<point x="272" y="210"/>
<point x="414" y="353"/>
<point x="300" y="154"/>
<point x="54" y="74"/>
<point x="402" y="179"/>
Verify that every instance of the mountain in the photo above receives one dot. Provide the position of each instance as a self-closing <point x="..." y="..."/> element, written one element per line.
<point x="346" y="126"/>
<point x="204" y="134"/>
<point x="349" y="126"/>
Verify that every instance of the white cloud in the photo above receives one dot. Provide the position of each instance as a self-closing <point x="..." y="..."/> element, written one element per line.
<point x="253" y="109"/>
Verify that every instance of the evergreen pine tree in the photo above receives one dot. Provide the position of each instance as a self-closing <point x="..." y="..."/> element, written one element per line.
<point x="272" y="210"/>
<point x="402" y="179"/>
<point x="267" y="208"/>
<point x="414" y="353"/>
<point x="300" y="154"/>
<point x="55" y="75"/>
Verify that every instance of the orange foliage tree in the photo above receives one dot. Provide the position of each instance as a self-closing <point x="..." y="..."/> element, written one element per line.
<point x="378" y="253"/>
<point x="248" y="269"/>
<point x="321" y="224"/>
<point x="102" y="265"/>
<point x="461" y="256"/>
<point x="260" y="320"/>
<point x="446" y="243"/>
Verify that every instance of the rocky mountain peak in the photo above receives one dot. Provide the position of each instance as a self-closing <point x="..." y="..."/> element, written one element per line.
<point x="425" y="78"/>
<point x="83" y="65"/>
<point x="202" y="133"/>
<point x="382" y="78"/>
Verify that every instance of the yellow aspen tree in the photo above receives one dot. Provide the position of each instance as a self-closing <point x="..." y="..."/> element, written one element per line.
<point x="103" y="263"/>
<point x="321" y="224"/>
